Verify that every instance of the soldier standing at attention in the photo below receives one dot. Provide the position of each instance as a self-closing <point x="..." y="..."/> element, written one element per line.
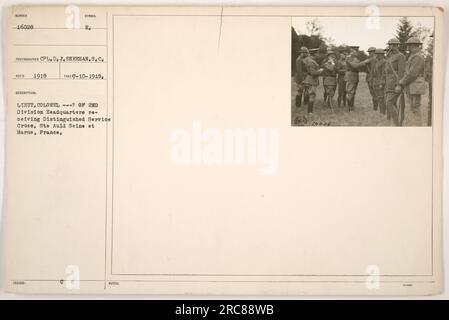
<point x="394" y="71"/>
<point x="320" y="57"/>
<point x="352" y="75"/>
<point x="369" y="69"/>
<point x="330" y="78"/>
<point x="312" y="79"/>
<point x="300" y="75"/>
<point x="413" y="80"/>
<point x="341" y="71"/>
<point x="378" y="80"/>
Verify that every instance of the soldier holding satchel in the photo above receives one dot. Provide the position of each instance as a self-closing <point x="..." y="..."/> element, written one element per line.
<point x="394" y="71"/>
<point x="413" y="81"/>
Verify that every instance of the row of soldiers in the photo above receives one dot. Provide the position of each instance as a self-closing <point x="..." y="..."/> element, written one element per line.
<point x="389" y="76"/>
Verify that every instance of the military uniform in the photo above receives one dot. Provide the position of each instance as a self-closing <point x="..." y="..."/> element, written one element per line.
<point x="369" y="75"/>
<point x="341" y="71"/>
<point x="352" y="79"/>
<point x="329" y="79"/>
<point x="320" y="57"/>
<point x="414" y="69"/>
<point x="311" y="81"/>
<point x="378" y="82"/>
<point x="394" y="71"/>
<point x="300" y="75"/>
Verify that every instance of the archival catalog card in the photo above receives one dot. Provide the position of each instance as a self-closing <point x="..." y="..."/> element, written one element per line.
<point x="223" y="150"/>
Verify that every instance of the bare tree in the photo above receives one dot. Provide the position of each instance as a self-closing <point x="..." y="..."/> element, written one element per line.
<point x="314" y="27"/>
<point x="423" y="33"/>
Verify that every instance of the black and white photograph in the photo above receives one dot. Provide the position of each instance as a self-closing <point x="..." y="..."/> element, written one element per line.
<point x="359" y="71"/>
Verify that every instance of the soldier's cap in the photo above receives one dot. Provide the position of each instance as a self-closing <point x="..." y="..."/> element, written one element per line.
<point x="343" y="49"/>
<point x="313" y="50"/>
<point x="379" y="51"/>
<point x="329" y="52"/>
<point x="413" y="40"/>
<point x="304" y="50"/>
<point x="371" y="49"/>
<point x="393" y="41"/>
<point x="354" y="47"/>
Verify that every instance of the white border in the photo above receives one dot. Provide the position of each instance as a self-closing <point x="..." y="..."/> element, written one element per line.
<point x="440" y="3"/>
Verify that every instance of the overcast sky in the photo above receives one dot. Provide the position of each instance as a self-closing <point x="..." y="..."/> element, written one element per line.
<point x="357" y="30"/>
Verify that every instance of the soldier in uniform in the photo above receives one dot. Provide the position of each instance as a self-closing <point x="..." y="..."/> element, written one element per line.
<point x="320" y="54"/>
<point x="387" y="52"/>
<point x="394" y="71"/>
<point x="352" y="75"/>
<point x="320" y="57"/>
<point x="378" y="80"/>
<point x="413" y="80"/>
<point x="369" y="69"/>
<point x="330" y="78"/>
<point x="341" y="71"/>
<point x="300" y="75"/>
<point x="312" y="79"/>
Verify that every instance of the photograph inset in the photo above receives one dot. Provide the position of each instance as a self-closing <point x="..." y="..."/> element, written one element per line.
<point x="352" y="71"/>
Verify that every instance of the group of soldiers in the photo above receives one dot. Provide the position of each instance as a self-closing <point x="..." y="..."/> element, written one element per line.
<point x="389" y="75"/>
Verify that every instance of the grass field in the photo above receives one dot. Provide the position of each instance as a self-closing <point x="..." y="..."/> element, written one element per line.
<point x="364" y="115"/>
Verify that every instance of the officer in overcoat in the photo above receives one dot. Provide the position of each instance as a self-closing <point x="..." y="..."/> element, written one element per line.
<point x="413" y="81"/>
<point x="394" y="71"/>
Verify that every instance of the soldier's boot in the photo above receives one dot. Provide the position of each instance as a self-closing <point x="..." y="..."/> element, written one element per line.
<point x="394" y="115"/>
<point x="310" y="107"/>
<point x="298" y="100"/>
<point x="306" y="98"/>
<point x="375" y="105"/>
<point x="344" y="101"/>
<point x="351" y="104"/>
<point x="338" y="102"/>
<point x="396" y="120"/>
<point x="382" y="107"/>
<point x="331" y="103"/>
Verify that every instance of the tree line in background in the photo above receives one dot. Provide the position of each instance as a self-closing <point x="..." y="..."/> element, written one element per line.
<point x="404" y="31"/>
